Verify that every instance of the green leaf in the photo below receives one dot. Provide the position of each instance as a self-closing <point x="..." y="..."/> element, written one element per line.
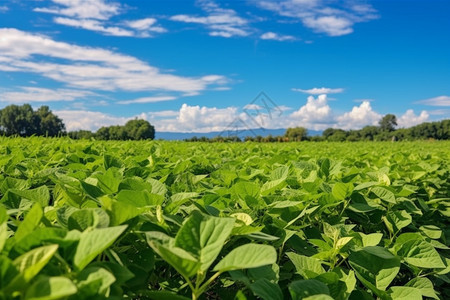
<point x="396" y="220"/>
<point x="3" y="227"/>
<point x="204" y="236"/>
<point x="94" y="242"/>
<point x="342" y="190"/>
<point x="30" y="263"/>
<point x="302" y="289"/>
<point x="404" y="293"/>
<point x="31" y="221"/>
<point x="372" y="239"/>
<point x="266" y="290"/>
<point x="247" y="256"/>
<point x="82" y="219"/>
<point x="48" y="288"/>
<point x="186" y="264"/>
<point x="419" y="253"/>
<point x="308" y="267"/>
<point x="94" y="281"/>
<point x="424" y="285"/>
<point x="431" y="231"/>
<point x="40" y="195"/>
<point x="273" y="185"/>
<point x="376" y="265"/>
<point x="384" y="194"/>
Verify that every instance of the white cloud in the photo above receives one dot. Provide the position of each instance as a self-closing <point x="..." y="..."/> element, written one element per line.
<point x="145" y="25"/>
<point x="332" y="25"/>
<point x="323" y="16"/>
<point x="315" y="114"/>
<point x="358" y="117"/>
<point x="90" y="68"/>
<point x="163" y="113"/>
<point x="436" y="101"/>
<point x="318" y="91"/>
<point x="3" y="9"/>
<point x="35" y="94"/>
<point x="253" y="107"/>
<point x="409" y="119"/>
<point x="93" y="25"/>
<point x="220" y="22"/>
<point x="148" y="100"/>
<point x="83" y="9"/>
<point x="94" y="15"/>
<point x="204" y="118"/>
<point x="88" y="120"/>
<point x="277" y="37"/>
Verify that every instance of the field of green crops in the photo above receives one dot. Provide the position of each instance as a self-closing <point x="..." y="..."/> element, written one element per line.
<point x="175" y="220"/>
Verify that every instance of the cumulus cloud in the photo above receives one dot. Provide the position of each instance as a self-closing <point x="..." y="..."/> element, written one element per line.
<point x="88" y="120"/>
<point x="219" y="21"/>
<point x="318" y="91"/>
<point x="315" y="114"/>
<point x="35" y="94"/>
<point x="94" y="15"/>
<point x="409" y="119"/>
<point x="358" y="117"/>
<point x="436" y="101"/>
<point x="323" y="16"/>
<point x="90" y="68"/>
<point x="277" y="37"/>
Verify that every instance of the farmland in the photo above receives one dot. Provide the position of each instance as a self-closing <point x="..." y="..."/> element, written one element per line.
<point x="176" y="220"/>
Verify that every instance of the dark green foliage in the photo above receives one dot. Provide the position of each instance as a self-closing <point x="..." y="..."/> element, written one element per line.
<point x="388" y="122"/>
<point x="132" y="130"/>
<point x="296" y="134"/>
<point x="23" y="121"/>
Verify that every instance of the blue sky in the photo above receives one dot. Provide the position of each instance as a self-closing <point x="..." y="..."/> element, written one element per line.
<point x="198" y="65"/>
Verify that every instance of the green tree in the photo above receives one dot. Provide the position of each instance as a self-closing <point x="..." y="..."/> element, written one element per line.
<point x="102" y="133"/>
<point x="80" y="134"/>
<point x="49" y="124"/>
<point x="139" y="130"/>
<point x="388" y="122"/>
<point x="19" y="120"/>
<point x="296" y="133"/>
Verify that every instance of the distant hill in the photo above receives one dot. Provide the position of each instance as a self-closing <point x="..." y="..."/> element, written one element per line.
<point x="242" y="133"/>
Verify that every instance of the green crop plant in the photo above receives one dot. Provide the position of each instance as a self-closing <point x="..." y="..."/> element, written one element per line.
<point x="176" y="220"/>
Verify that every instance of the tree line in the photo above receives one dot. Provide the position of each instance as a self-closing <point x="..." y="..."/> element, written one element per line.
<point x="385" y="131"/>
<point x="22" y="120"/>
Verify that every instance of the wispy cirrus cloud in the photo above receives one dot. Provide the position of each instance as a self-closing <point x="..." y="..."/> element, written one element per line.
<point x="334" y="18"/>
<point x="436" y="101"/>
<point x="91" y="68"/>
<point x="36" y="94"/>
<point x="148" y="100"/>
<point x="219" y="21"/>
<point x="318" y="91"/>
<point x="3" y="8"/>
<point x="95" y="15"/>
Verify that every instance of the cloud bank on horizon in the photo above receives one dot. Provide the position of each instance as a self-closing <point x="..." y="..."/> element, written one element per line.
<point x="195" y="66"/>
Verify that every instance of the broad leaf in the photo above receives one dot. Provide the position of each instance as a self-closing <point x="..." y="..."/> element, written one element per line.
<point x="247" y="256"/>
<point x="49" y="288"/>
<point x="94" y="242"/>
